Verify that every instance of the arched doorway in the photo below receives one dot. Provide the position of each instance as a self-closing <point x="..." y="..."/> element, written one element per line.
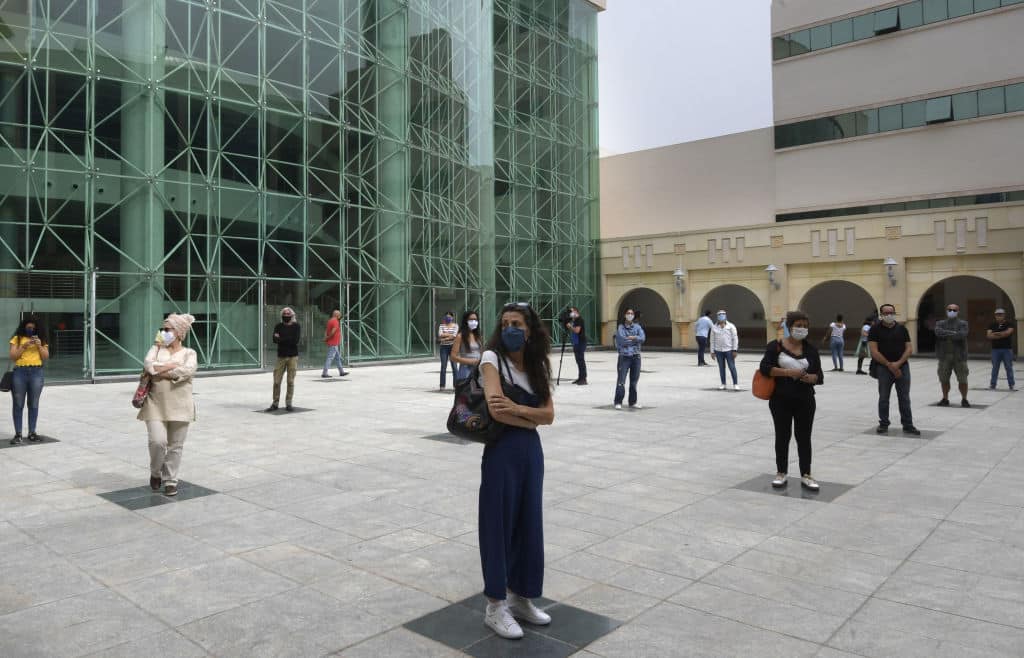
<point x="744" y="309"/>
<point x="978" y="298"/>
<point x="826" y="300"/>
<point x="652" y="313"/>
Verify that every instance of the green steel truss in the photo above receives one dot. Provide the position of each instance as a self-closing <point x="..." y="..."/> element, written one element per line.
<point x="388" y="157"/>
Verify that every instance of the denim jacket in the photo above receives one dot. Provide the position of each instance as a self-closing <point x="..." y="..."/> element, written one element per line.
<point x="629" y="347"/>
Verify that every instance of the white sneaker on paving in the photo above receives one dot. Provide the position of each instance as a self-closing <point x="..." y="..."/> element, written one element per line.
<point x="523" y="608"/>
<point x="637" y="406"/>
<point x="722" y="387"/>
<point x="618" y="406"/>
<point x="499" y="619"/>
<point x="809" y="482"/>
<point x="735" y="387"/>
<point x="779" y="481"/>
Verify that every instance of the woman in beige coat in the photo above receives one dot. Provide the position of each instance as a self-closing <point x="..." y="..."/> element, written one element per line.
<point x="169" y="408"/>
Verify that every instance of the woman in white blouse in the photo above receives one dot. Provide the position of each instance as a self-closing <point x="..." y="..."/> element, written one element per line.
<point x="725" y="343"/>
<point x="169" y="407"/>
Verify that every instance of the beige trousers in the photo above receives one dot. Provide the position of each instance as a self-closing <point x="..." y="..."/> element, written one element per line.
<point x="166" y="439"/>
<point x="291" y="364"/>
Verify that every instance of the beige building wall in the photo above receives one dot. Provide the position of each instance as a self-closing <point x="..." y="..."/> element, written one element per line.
<point x="967" y="52"/>
<point x="724" y="181"/>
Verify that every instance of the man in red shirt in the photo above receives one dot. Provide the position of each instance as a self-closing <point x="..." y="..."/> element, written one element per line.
<point x="332" y="338"/>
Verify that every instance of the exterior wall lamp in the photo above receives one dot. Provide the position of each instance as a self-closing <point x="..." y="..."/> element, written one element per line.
<point x="771" y="270"/>
<point x="680" y="277"/>
<point x="890" y="270"/>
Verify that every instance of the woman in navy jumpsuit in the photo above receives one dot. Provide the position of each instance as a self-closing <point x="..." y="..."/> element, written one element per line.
<point x="512" y="471"/>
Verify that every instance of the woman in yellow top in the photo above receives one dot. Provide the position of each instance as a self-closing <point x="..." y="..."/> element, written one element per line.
<point x="29" y="350"/>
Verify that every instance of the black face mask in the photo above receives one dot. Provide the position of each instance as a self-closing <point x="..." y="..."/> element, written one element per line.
<point x="286" y="319"/>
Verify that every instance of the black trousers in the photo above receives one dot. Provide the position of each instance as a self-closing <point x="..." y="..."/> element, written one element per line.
<point x="579" y="350"/>
<point x="792" y="415"/>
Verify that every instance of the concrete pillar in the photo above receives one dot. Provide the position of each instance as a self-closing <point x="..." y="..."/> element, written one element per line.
<point x="393" y="158"/>
<point x="142" y="147"/>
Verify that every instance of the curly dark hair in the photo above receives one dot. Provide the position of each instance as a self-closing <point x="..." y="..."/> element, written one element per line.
<point x="39" y="331"/>
<point x="464" y="325"/>
<point x="793" y="317"/>
<point x="535" y="353"/>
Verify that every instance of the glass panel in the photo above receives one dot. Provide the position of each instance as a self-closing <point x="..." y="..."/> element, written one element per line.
<point x="939" y="109"/>
<point x="821" y="37"/>
<point x="887" y="20"/>
<point x="890" y="117"/>
<point x="1015" y="97"/>
<point x="800" y="42"/>
<point x="935" y="10"/>
<point x="913" y="114"/>
<point x="911" y="15"/>
<point x="984" y="5"/>
<point x="990" y="101"/>
<point x="863" y="27"/>
<point x="965" y="106"/>
<point x="780" y="47"/>
<point x="842" y="32"/>
<point x="1007" y="3"/>
<point x="867" y="121"/>
<point x="960" y="7"/>
<point x="845" y="125"/>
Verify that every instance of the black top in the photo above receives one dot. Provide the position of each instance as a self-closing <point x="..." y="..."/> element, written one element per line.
<point x="892" y="341"/>
<point x="288" y="343"/>
<point x="1005" y="342"/>
<point x="787" y="386"/>
<point x="582" y="335"/>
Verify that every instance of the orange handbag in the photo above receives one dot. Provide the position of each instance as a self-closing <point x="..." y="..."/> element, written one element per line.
<point x="762" y="387"/>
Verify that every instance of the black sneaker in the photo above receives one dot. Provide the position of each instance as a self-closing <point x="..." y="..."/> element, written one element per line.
<point x="154" y="483"/>
<point x="910" y="429"/>
<point x="343" y="374"/>
<point x="34" y="438"/>
<point x="325" y="376"/>
<point x="272" y="407"/>
<point x="882" y="429"/>
<point x="581" y="382"/>
<point x="17" y="440"/>
<point x="861" y="372"/>
<point x="963" y="403"/>
<point x="943" y="403"/>
<point x="289" y="407"/>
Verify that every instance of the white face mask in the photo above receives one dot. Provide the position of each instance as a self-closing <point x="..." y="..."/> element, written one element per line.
<point x="952" y="314"/>
<point x="167" y="337"/>
<point x="574" y="315"/>
<point x="629" y="317"/>
<point x="472" y="324"/>
<point x="799" y="333"/>
<point x="889" y="318"/>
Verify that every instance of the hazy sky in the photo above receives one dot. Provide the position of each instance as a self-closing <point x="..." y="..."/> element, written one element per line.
<point x="679" y="70"/>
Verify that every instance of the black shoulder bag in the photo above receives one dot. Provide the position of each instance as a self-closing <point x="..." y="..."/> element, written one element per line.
<point x="470" y="418"/>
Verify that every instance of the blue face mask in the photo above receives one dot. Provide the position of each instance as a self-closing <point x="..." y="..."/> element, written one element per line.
<point x="721" y="317"/>
<point x="29" y="331"/>
<point x="513" y="338"/>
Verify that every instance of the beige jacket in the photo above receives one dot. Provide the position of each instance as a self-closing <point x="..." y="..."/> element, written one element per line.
<point x="170" y="399"/>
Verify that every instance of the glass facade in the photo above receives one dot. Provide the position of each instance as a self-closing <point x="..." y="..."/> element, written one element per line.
<point x="901" y="206"/>
<point x="393" y="158"/>
<point x="876" y="23"/>
<point x="955" y="107"/>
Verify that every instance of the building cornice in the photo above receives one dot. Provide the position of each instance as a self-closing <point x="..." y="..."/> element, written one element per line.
<point x="599" y="5"/>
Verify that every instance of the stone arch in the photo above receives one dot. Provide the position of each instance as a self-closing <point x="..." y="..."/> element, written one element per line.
<point x="977" y="299"/>
<point x="827" y="299"/>
<point x="652" y="313"/>
<point x="744" y="308"/>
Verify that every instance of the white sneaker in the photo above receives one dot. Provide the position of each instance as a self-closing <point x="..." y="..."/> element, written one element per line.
<point x="637" y="406"/>
<point x="523" y="608"/>
<point x="779" y="481"/>
<point x="618" y="406"/>
<point x="722" y="387"/>
<point x="809" y="482"/>
<point x="499" y="619"/>
<point x="735" y="387"/>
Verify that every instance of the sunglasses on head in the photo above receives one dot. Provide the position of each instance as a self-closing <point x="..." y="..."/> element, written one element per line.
<point x="512" y="306"/>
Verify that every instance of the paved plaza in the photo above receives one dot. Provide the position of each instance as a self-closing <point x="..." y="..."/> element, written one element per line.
<point x="349" y="526"/>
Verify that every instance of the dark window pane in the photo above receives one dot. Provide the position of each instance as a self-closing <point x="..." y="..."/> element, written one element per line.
<point x="940" y="203"/>
<point x="984" y="5"/>
<point x="780" y="47"/>
<point x="960" y="8"/>
<point x="965" y="106"/>
<point x="1015" y="97"/>
<point x="913" y="114"/>
<point x="845" y="125"/>
<point x="1015" y="196"/>
<point x="911" y="15"/>
<point x="887" y="20"/>
<point x="800" y="42"/>
<point x="935" y="10"/>
<point x="890" y="117"/>
<point x="937" y="110"/>
<point x="917" y="205"/>
<point x="990" y="101"/>
<point x="821" y="37"/>
<point x="842" y="32"/>
<point x="1007" y="3"/>
<point x="867" y="122"/>
<point x="784" y="136"/>
<point x="863" y="27"/>
<point x="893" y="207"/>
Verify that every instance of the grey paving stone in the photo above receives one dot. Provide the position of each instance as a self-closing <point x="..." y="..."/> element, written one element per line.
<point x="401" y="643"/>
<point x="166" y="644"/>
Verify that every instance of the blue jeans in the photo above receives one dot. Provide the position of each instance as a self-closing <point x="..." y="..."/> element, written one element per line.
<point x="334" y="355"/>
<point x="630" y="364"/>
<point x="723" y="358"/>
<point x="837" y="352"/>
<point x="28" y="382"/>
<point x="885" y="384"/>
<point x="1002" y="356"/>
<point x="446" y="359"/>
<point x="702" y="346"/>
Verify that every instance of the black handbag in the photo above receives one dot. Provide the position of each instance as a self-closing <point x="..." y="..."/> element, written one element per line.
<point x="873" y="369"/>
<point x="470" y="418"/>
<point x="7" y="381"/>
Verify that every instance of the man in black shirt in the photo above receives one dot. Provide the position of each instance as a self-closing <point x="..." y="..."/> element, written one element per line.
<point x="286" y="335"/>
<point x="891" y="348"/>
<point x="578" y="335"/>
<point x="1000" y="333"/>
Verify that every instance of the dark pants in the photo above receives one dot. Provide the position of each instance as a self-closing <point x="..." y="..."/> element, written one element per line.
<point x="793" y="416"/>
<point x="579" y="350"/>
<point x="511" y="526"/>
<point x="702" y="346"/>
<point x="446" y="358"/>
<point x="27" y="385"/>
<point x="885" y="384"/>
<point x="724" y="359"/>
<point x="631" y="365"/>
<point x="1002" y="356"/>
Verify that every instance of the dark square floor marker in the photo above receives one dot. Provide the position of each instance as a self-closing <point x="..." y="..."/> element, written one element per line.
<point x="6" y="442"/>
<point x="446" y="437"/>
<point x="828" y="492"/>
<point x="461" y="627"/>
<point x="281" y="411"/>
<point x="142" y="497"/>
<point x="625" y="407"/>
<point x="727" y="389"/>
<point x="955" y="404"/>
<point x="896" y="432"/>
